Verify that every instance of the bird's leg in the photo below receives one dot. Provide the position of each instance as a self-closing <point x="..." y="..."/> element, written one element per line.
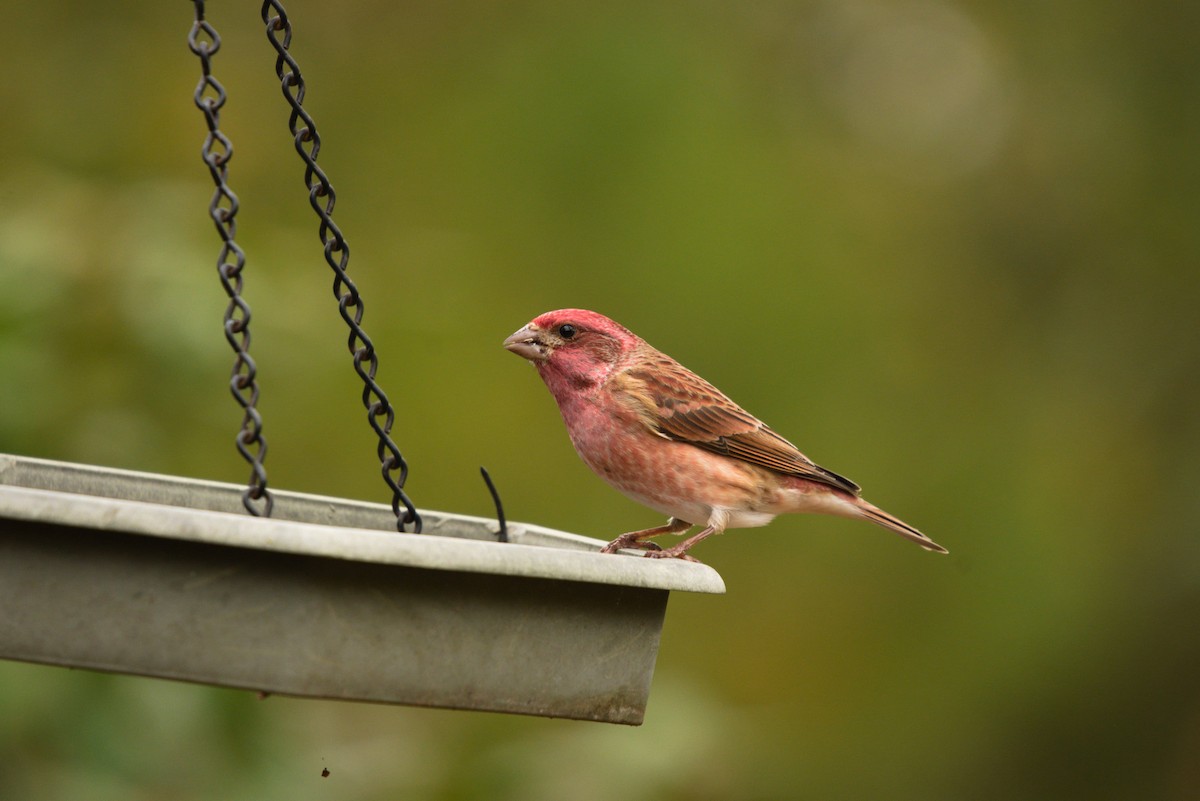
<point x="636" y="539"/>
<point x="680" y="551"/>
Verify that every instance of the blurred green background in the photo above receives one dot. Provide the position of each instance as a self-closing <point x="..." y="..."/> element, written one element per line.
<point x="948" y="248"/>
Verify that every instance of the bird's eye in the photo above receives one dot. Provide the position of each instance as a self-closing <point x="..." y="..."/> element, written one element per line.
<point x="566" y="331"/>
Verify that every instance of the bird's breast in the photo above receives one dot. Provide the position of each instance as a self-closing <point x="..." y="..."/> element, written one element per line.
<point x="674" y="478"/>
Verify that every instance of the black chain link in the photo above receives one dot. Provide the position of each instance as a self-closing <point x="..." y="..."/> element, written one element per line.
<point x="321" y="196"/>
<point x="216" y="152"/>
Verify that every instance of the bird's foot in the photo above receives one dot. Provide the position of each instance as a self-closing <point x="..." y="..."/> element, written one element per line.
<point x="630" y="541"/>
<point x="672" y="553"/>
<point x="641" y="539"/>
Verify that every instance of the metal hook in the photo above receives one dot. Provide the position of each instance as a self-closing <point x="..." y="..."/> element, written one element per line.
<point x="502" y="534"/>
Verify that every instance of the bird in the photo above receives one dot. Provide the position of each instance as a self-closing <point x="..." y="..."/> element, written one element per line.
<point x="671" y="441"/>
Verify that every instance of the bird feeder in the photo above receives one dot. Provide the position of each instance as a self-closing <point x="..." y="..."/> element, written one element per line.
<point x="162" y="576"/>
<point x="303" y="595"/>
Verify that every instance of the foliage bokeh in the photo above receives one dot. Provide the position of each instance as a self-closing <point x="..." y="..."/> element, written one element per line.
<point x="949" y="248"/>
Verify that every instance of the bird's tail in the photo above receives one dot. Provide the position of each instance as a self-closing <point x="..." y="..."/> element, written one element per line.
<point x="882" y="518"/>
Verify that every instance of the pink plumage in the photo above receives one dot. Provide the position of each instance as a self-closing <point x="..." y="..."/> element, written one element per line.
<point x="670" y="440"/>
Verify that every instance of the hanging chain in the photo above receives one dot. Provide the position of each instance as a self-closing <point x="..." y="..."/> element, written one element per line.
<point x="216" y="152"/>
<point x="321" y="196"/>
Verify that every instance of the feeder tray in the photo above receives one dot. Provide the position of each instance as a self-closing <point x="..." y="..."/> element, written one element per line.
<point x="161" y="576"/>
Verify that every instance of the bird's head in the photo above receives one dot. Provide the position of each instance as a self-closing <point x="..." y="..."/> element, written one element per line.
<point x="572" y="347"/>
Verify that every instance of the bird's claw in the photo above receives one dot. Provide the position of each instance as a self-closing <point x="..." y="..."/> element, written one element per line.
<point x="671" y="553"/>
<point x="620" y="542"/>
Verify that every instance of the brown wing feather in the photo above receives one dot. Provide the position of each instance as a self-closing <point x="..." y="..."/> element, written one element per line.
<point x="682" y="406"/>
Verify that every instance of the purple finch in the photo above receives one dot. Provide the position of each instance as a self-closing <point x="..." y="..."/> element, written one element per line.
<point x="670" y="440"/>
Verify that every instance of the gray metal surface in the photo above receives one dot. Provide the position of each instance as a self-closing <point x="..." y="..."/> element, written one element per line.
<point x="161" y="576"/>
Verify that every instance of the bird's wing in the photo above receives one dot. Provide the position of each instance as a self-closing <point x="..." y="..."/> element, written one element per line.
<point x="680" y="405"/>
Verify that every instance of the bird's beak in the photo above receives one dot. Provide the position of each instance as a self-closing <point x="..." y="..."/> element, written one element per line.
<point x="528" y="344"/>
